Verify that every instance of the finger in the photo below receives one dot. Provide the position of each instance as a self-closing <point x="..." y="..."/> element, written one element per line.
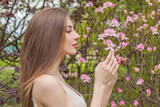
<point x="106" y="61"/>
<point x="108" y="79"/>
<point x="111" y="61"/>
<point x="115" y="69"/>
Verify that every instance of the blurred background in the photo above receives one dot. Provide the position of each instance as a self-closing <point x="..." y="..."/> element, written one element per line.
<point x="131" y="25"/>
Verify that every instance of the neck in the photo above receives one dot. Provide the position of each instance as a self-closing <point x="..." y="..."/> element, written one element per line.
<point x="54" y="69"/>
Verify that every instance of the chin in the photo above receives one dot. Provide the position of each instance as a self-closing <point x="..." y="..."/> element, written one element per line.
<point x="72" y="53"/>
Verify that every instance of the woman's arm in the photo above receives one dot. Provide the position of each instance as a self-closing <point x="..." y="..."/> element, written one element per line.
<point x="105" y="79"/>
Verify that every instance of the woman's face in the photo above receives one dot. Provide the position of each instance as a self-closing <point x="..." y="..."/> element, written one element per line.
<point x="71" y="38"/>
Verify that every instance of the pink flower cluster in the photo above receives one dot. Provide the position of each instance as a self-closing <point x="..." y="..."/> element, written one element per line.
<point x="148" y="92"/>
<point x="119" y="90"/>
<point x="127" y="78"/>
<point x="137" y="69"/>
<point x="140" y="46"/>
<point x="110" y="32"/>
<point x="135" y="103"/>
<point x="108" y="4"/>
<point x="121" y="35"/>
<point x="88" y="28"/>
<point x="81" y="59"/>
<point x="85" y="78"/>
<point x="149" y="3"/>
<point x="85" y="36"/>
<point x="113" y="104"/>
<point x="140" y="81"/>
<point x="74" y="74"/>
<point x="110" y="45"/>
<point x="113" y="23"/>
<point x="150" y="49"/>
<point x="122" y="103"/>
<point x="154" y="30"/>
<point x="121" y="60"/>
<point x="99" y="9"/>
<point x="124" y="44"/>
<point x="89" y="4"/>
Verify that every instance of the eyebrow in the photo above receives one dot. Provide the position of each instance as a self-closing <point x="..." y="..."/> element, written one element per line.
<point x="69" y="26"/>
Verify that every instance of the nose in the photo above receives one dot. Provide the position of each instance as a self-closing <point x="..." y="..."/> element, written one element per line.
<point x="76" y="36"/>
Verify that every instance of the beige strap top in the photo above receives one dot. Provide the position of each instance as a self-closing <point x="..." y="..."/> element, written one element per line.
<point x="73" y="96"/>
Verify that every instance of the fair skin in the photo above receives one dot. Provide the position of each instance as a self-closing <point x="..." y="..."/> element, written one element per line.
<point x="49" y="93"/>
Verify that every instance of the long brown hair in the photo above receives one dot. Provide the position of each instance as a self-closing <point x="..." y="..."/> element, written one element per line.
<point x="43" y="41"/>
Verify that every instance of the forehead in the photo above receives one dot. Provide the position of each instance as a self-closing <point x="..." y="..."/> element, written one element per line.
<point x="68" y="22"/>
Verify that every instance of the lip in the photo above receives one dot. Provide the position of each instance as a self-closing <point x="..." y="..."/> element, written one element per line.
<point x="74" y="44"/>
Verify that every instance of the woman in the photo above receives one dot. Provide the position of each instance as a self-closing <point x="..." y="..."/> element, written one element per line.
<point x="48" y="38"/>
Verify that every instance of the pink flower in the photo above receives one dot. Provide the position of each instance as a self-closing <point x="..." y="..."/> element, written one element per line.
<point x="157" y="1"/>
<point x="148" y="92"/>
<point x="140" y="47"/>
<point x="137" y="35"/>
<point x="129" y="18"/>
<point x="124" y="44"/>
<point x="114" y="104"/>
<point x="125" y="11"/>
<point x="131" y="12"/>
<point x="148" y="1"/>
<point x="121" y="35"/>
<point x="119" y="90"/>
<point x="99" y="9"/>
<point x="127" y="78"/>
<point x="101" y="36"/>
<point x="140" y="28"/>
<point x="141" y="14"/>
<point x="144" y="20"/>
<point x="113" y="23"/>
<point x="156" y="67"/>
<point x="154" y="48"/>
<point x="110" y="45"/>
<point x="140" y="81"/>
<point x="110" y="32"/>
<point x="88" y="28"/>
<point x="153" y="13"/>
<point x="135" y="17"/>
<point x="153" y="72"/>
<point x="159" y="66"/>
<point x="143" y="17"/>
<point x="108" y="4"/>
<point x="74" y="74"/>
<point x="149" y="49"/>
<point x="81" y="59"/>
<point x="135" y="103"/>
<point x="85" y="36"/>
<point x="104" y="42"/>
<point x="150" y="4"/>
<point x="85" y="78"/>
<point x="66" y="75"/>
<point x="121" y="60"/>
<point x="89" y="4"/>
<point x="137" y="69"/>
<point x="145" y="25"/>
<point x="154" y="30"/>
<point x="122" y="103"/>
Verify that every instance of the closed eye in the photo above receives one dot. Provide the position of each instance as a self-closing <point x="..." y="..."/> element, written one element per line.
<point x="68" y="31"/>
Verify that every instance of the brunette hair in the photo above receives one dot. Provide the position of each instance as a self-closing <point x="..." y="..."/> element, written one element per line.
<point x="43" y="41"/>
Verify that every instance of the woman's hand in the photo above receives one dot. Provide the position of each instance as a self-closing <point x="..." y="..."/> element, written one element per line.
<point x="106" y="71"/>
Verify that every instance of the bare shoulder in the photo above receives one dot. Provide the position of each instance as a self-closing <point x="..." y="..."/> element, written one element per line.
<point x="48" y="92"/>
<point x="46" y="81"/>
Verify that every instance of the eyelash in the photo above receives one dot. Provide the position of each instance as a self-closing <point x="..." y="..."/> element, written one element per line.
<point x="69" y="31"/>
